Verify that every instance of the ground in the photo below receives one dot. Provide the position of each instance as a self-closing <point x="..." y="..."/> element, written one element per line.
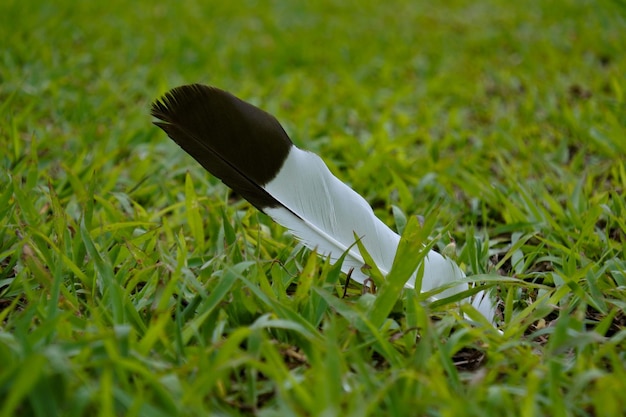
<point x="133" y="283"/>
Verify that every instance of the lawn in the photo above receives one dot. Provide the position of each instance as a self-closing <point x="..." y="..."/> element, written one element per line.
<point x="132" y="283"/>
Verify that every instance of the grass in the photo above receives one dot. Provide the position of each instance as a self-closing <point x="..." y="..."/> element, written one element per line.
<point x="132" y="283"/>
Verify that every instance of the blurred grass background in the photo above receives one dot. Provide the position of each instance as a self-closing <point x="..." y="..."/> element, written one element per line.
<point x="131" y="285"/>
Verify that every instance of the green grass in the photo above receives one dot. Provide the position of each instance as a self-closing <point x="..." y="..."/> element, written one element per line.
<point x="133" y="284"/>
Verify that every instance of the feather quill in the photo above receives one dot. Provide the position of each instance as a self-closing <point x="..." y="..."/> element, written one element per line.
<point x="250" y="152"/>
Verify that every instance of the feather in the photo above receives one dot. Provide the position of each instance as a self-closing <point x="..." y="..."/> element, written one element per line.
<point x="250" y="152"/>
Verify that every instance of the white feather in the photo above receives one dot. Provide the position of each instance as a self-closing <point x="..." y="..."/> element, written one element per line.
<point x="324" y="213"/>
